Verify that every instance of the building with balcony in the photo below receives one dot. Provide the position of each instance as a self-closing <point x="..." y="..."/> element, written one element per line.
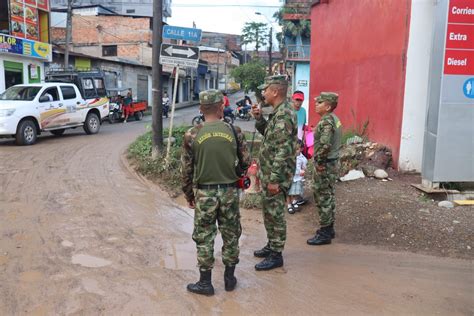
<point x="24" y="41"/>
<point x="296" y="25"/>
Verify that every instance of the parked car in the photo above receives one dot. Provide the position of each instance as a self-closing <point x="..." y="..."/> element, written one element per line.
<point x="28" y="110"/>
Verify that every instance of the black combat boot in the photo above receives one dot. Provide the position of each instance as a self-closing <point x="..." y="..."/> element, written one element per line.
<point x="203" y="286"/>
<point x="323" y="237"/>
<point x="230" y="281"/>
<point x="262" y="253"/>
<point x="331" y="231"/>
<point x="274" y="260"/>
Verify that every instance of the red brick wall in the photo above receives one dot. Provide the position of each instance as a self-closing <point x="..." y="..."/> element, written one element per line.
<point x="110" y="29"/>
<point x="230" y="41"/>
<point x="129" y="51"/>
<point x="58" y="34"/>
<point x="213" y="58"/>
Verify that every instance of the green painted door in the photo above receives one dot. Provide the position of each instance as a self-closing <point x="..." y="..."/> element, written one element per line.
<point x="13" y="73"/>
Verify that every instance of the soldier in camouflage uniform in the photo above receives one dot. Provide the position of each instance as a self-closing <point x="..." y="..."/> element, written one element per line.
<point x="327" y="144"/>
<point x="277" y="160"/>
<point x="208" y="161"/>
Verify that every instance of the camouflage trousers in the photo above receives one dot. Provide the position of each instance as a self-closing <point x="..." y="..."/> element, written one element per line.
<point x="221" y="206"/>
<point x="273" y="208"/>
<point x="324" y="190"/>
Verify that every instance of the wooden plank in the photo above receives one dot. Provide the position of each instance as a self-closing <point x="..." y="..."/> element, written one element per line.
<point x="432" y="190"/>
<point x="464" y="202"/>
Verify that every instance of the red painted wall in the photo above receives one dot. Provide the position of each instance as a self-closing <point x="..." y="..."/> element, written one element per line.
<point x="358" y="49"/>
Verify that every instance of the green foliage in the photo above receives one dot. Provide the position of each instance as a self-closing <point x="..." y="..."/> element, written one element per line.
<point x="424" y="198"/>
<point x="250" y="76"/>
<point x="292" y="28"/>
<point x="451" y="186"/>
<point x="358" y="129"/>
<point x="156" y="169"/>
<point x="255" y="32"/>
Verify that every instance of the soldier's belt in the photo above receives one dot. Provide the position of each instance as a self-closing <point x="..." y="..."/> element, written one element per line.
<point x="215" y="186"/>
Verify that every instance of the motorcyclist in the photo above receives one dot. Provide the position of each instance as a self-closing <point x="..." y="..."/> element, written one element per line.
<point x="244" y="106"/>
<point x="127" y="106"/>
<point x="166" y="104"/>
<point x="247" y="105"/>
<point x="227" y="108"/>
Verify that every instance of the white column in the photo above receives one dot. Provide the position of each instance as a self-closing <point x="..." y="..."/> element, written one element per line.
<point x="416" y="85"/>
<point x="2" y="76"/>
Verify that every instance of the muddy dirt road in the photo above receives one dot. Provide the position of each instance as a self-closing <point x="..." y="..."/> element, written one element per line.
<point x="82" y="235"/>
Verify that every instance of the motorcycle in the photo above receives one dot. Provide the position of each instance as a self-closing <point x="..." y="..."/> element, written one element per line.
<point x="115" y="112"/>
<point x="241" y="111"/>
<point x="243" y="114"/>
<point x="198" y="119"/>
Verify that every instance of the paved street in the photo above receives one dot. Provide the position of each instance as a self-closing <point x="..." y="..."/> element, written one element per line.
<point x="82" y="234"/>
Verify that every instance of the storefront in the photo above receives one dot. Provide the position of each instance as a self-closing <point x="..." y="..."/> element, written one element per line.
<point x="22" y="62"/>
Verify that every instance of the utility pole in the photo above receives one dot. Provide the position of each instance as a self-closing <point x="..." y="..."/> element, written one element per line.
<point x="218" y="63"/>
<point x="245" y="56"/>
<point x="68" y="33"/>
<point x="225" y="73"/>
<point x="270" y="51"/>
<point x="157" y="107"/>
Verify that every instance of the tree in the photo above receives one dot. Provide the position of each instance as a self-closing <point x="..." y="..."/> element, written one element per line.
<point x="255" y="32"/>
<point x="250" y="76"/>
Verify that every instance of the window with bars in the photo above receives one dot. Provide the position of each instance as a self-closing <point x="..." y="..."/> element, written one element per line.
<point x="109" y="50"/>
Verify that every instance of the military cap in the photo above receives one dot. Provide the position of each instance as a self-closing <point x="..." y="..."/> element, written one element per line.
<point x="278" y="79"/>
<point x="210" y="97"/>
<point x="331" y="97"/>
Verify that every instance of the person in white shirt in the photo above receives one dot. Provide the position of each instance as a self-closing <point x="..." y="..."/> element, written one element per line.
<point x="296" y="189"/>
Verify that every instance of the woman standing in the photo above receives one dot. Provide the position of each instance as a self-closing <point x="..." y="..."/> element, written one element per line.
<point x="127" y="105"/>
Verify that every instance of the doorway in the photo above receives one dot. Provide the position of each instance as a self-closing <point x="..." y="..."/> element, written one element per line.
<point x="13" y="73"/>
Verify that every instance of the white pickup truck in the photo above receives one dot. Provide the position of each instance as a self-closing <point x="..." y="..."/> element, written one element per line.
<point x="27" y="110"/>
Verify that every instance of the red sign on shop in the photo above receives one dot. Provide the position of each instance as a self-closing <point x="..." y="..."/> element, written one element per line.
<point x="459" y="62"/>
<point x="460" y="36"/>
<point x="461" y="11"/>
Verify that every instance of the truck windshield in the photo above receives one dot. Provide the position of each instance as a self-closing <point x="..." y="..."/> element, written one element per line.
<point x="19" y="93"/>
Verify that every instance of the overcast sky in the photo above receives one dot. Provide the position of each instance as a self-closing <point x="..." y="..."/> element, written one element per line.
<point x="223" y="16"/>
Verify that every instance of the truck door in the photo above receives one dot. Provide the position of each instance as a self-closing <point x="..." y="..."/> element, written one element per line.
<point x="50" y="108"/>
<point x="71" y="103"/>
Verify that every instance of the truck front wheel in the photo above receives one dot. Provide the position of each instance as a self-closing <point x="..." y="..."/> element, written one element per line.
<point x="26" y="133"/>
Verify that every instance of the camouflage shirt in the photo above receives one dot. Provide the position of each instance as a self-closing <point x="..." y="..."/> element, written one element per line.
<point x="327" y="138"/>
<point x="277" y="155"/>
<point x="190" y="163"/>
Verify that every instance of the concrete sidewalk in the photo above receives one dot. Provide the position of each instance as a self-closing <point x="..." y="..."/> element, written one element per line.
<point x="187" y="104"/>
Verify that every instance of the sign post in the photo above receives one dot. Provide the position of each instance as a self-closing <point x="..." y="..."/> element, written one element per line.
<point x="182" y="33"/>
<point x="173" y="105"/>
<point x="178" y="56"/>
